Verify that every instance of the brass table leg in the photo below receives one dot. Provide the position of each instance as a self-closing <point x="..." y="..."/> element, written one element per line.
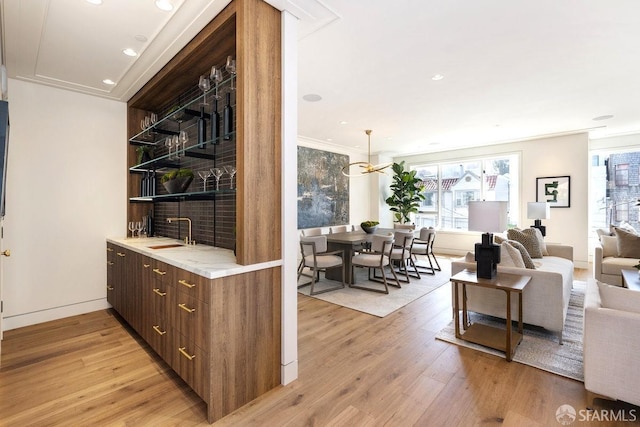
<point x="508" y="349"/>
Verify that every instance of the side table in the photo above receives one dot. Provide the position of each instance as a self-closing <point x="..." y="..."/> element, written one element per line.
<point x="489" y="336"/>
<point x="630" y="279"/>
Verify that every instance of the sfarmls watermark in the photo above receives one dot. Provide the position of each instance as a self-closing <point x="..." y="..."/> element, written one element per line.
<point x="567" y="415"/>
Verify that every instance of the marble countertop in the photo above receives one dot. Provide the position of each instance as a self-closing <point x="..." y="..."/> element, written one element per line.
<point x="206" y="261"/>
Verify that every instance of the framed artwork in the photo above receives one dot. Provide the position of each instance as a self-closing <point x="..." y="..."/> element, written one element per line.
<point x="323" y="191"/>
<point x="554" y="190"/>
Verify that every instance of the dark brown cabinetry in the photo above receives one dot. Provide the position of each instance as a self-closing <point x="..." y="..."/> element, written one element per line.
<point x="217" y="334"/>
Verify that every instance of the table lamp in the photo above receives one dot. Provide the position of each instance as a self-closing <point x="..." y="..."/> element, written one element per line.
<point x="539" y="211"/>
<point x="488" y="217"/>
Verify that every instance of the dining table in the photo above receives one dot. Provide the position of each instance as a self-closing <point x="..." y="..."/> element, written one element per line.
<point x="348" y="242"/>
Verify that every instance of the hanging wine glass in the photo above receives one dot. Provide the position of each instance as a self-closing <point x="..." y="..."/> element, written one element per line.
<point x="204" y="85"/>
<point x="231" y="170"/>
<point x="216" y="77"/>
<point x="231" y="69"/>
<point x="183" y="137"/>
<point x="204" y="175"/>
<point x="217" y="173"/>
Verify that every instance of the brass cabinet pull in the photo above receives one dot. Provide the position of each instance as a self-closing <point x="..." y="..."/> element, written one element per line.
<point x="109" y="262"/>
<point x="6" y="252"/>
<point x="185" y="308"/>
<point x="120" y="254"/>
<point x="157" y="291"/>
<point x="146" y="265"/>
<point x="157" y="271"/>
<point x="109" y="288"/>
<point x="157" y="329"/>
<point x="185" y="354"/>
<point x="109" y="249"/>
<point x="187" y="284"/>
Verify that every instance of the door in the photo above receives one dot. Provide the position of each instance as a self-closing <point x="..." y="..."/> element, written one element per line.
<point x="5" y="253"/>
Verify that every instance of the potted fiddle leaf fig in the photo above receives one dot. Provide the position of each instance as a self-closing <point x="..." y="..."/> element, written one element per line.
<point x="406" y="193"/>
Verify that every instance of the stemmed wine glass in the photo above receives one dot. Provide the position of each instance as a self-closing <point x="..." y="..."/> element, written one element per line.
<point x="176" y="144"/>
<point x="216" y="77"/>
<point x="167" y="143"/>
<point x="231" y="170"/>
<point x="204" y="175"/>
<point x="132" y="228"/>
<point x="139" y="228"/>
<point x="147" y="124"/>
<point x="204" y="85"/>
<point x="217" y="173"/>
<point x="231" y="69"/>
<point x="153" y="119"/>
<point x="183" y="137"/>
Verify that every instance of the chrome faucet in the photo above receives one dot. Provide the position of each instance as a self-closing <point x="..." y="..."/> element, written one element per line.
<point x="187" y="240"/>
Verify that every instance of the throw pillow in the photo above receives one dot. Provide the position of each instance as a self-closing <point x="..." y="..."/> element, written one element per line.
<point x="543" y="245"/>
<point x="470" y="257"/>
<point x="528" y="262"/>
<point x="628" y="244"/>
<point x="609" y="246"/>
<point x="619" y="298"/>
<point x="499" y="238"/>
<point x="604" y="232"/>
<point x="528" y="239"/>
<point x="510" y="256"/>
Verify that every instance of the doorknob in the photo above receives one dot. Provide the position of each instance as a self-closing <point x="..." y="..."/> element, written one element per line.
<point x="6" y="252"/>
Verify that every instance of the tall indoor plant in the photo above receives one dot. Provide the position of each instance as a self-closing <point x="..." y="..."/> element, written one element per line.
<point x="406" y="193"/>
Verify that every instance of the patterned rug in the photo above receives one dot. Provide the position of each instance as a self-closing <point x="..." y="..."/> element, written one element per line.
<point x="539" y="348"/>
<point x="378" y="304"/>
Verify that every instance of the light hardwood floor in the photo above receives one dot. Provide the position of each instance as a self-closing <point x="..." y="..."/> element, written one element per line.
<point x="355" y="370"/>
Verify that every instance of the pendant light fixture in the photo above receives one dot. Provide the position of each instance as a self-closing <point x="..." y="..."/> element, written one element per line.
<point x="366" y="167"/>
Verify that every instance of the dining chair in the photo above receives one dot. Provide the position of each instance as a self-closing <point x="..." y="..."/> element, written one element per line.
<point x="401" y="254"/>
<point x="375" y="258"/>
<point x="312" y="232"/>
<point x="316" y="257"/>
<point x="404" y="226"/>
<point x="423" y="245"/>
<point x="338" y="229"/>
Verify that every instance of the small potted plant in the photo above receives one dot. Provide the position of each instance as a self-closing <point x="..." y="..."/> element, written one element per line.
<point x="369" y="227"/>
<point x="177" y="181"/>
<point x="145" y="153"/>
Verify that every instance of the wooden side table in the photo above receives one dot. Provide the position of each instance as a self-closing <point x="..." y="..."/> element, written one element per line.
<point x="489" y="336"/>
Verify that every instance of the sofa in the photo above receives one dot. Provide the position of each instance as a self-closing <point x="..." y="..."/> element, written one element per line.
<point x="608" y="261"/>
<point x="545" y="300"/>
<point x="611" y="343"/>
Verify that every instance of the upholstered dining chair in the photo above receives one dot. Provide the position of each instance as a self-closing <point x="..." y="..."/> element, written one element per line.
<point x="317" y="259"/>
<point x="338" y="229"/>
<point x="404" y="226"/>
<point x="423" y="245"/>
<point x="375" y="258"/>
<point x="311" y="232"/>
<point x="401" y="255"/>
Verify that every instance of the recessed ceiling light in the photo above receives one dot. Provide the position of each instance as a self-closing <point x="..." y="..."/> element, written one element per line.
<point x="108" y="82"/>
<point x="330" y="139"/>
<point x="437" y="77"/>
<point x="129" y="52"/>
<point x="96" y="2"/>
<point x="312" y="97"/>
<point x="605" y="117"/>
<point x="164" y="5"/>
<point x="343" y="122"/>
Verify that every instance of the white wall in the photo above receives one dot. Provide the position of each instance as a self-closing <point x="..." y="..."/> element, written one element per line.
<point x="66" y="191"/>
<point x="556" y="156"/>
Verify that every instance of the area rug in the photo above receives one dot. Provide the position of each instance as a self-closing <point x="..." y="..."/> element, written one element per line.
<point x="539" y="348"/>
<point x="377" y="304"/>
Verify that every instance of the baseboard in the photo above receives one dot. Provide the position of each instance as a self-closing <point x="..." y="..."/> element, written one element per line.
<point x="33" y="318"/>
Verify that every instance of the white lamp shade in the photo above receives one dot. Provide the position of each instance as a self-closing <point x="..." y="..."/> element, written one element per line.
<point x="488" y="217"/>
<point x="538" y="210"/>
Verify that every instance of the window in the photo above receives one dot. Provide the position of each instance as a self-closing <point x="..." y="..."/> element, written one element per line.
<point x="622" y="174"/>
<point x="449" y="187"/>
